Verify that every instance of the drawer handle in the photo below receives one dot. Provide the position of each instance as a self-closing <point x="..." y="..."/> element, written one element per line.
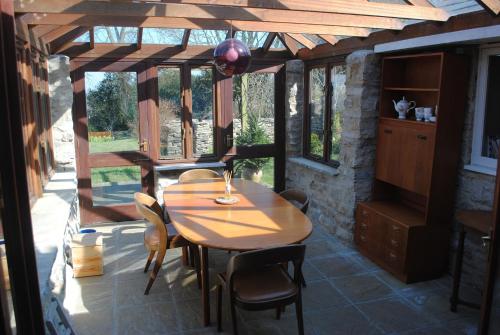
<point x="396" y="228"/>
<point x="421" y="137"/>
<point x="364" y="213"/>
<point x="393" y="256"/>
<point x="364" y="226"/>
<point x="362" y="238"/>
<point x="394" y="243"/>
<point x="387" y="131"/>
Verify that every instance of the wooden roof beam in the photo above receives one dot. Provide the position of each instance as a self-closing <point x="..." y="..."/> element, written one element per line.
<point x="303" y="40"/>
<point x="41" y="30"/>
<point x="289" y="43"/>
<point x="423" y="3"/>
<point x="66" y="39"/>
<point x="332" y="40"/>
<point x="332" y="6"/>
<point x="92" y="38"/>
<point x="185" y="39"/>
<point x="209" y="12"/>
<point x="56" y="33"/>
<point x="182" y="23"/>
<point x="492" y="6"/>
<point x="139" y="38"/>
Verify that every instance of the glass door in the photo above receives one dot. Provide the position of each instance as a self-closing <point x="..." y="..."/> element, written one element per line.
<point x="258" y="127"/>
<point x="113" y="160"/>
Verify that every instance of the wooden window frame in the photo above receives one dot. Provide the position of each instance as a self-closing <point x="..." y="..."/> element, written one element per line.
<point x="327" y="64"/>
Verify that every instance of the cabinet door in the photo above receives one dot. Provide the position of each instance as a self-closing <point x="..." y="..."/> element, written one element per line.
<point x="416" y="159"/>
<point x="388" y="167"/>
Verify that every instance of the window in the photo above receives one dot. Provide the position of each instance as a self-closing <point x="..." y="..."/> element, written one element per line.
<point x="170" y="109"/>
<point x="486" y="133"/>
<point x="202" y="111"/>
<point x="323" y="126"/>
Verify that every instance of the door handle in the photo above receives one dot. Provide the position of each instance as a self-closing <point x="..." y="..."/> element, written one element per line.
<point x="144" y="146"/>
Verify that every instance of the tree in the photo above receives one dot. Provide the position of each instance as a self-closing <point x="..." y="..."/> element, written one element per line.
<point x="112" y="105"/>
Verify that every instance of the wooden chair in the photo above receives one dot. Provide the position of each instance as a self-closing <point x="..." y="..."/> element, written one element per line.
<point x="160" y="236"/>
<point x="256" y="280"/>
<point x="298" y="198"/>
<point x="197" y="174"/>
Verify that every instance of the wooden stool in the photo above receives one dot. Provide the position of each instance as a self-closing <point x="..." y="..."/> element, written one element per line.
<point x="479" y="221"/>
<point x="86" y="254"/>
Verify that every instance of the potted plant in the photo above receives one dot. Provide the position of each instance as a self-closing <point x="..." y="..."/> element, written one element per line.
<point x="253" y="133"/>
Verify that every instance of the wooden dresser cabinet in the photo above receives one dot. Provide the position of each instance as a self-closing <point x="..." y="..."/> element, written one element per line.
<point x="406" y="227"/>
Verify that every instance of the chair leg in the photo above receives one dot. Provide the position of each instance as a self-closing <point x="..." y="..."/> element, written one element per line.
<point x="298" y="309"/>
<point x="302" y="280"/>
<point x="185" y="256"/>
<point x="191" y="256"/>
<point x="219" y="308"/>
<point x="196" y="255"/>
<point x="156" y="269"/>
<point x="234" y="318"/>
<point x="150" y="259"/>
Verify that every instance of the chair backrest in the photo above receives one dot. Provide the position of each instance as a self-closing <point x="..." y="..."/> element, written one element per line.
<point x="258" y="259"/>
<point x="149" y="202"/>
<point x="197" y="174"/>
<point x="147" y="210"/>
<point x="298" y="196"/>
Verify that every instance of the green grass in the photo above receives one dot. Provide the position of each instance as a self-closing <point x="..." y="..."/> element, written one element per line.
<point x="268" y="173"/>
<point x="125" y="144"/>
<point x="115" y="175"/>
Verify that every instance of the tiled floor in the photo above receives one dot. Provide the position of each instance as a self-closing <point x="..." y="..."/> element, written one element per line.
<point x="345" y="294"/>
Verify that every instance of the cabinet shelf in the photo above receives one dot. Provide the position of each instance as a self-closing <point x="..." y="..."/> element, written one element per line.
<point x="408" y="121"/>
<point x="410" y="89"/>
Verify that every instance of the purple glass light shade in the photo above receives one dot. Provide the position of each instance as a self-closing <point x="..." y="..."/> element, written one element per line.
<point x="232" y="57"/>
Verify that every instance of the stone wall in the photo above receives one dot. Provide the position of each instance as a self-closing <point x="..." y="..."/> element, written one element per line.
<point x="334" y="193"/>
<point x="474" y="191"/>
<point x="61" y="101"/>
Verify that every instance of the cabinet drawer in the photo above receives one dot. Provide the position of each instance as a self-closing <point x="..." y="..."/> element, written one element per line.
<point x="368" y="224"/>
<point x="394" y="259"/>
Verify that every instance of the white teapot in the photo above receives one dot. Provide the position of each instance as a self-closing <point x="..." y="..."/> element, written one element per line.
<point x="403" y="107"/>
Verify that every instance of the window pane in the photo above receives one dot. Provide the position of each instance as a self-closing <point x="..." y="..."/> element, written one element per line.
<point x="206" y="37"/>
<point x="260" y="170"/>
<point x="491" y="134"/>
<point x="115" y="35"/>
<point x="253" y="108"/>
<point x="162" y="36"/>
<point x="253" y="39"/>
<point x="277" y="44"/>
<point x="203" y="112"/>
<point x="169" y="97"/>
<point x="115" y="185"/>
<point x="317" y="81"/>
<point x="112" y="111"/>
<point x="83" y="38"/>
<point x="338" y="76"/>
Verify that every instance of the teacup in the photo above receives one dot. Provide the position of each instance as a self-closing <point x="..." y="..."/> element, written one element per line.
<point x="427" y="113"/>
<point x="419" y="113"/>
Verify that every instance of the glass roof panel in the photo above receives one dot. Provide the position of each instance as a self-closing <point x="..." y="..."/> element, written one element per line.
<point x="124" y="35"/>
<point x="206" y="37"/>
<point x="254" y="39"/>
<point x="277" y="44"/>
<point x="162" y="36"/>
<point x="315" y="38"/>
<point x="85" y="38"/>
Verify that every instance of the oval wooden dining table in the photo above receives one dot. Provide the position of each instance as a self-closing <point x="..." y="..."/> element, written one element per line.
<point x="261" y="219"/>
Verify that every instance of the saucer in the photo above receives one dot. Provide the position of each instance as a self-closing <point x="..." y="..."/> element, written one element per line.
<point x="227" y="201"/>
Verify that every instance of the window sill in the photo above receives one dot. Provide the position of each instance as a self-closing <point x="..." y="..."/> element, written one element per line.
<point x="318" y="167"/>
<point x="481" y="169"/>
<point x="186" y="166"/>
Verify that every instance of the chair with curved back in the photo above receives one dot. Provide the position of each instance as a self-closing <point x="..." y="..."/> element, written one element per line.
<point x="196" y="174"/>
<point x="160" y="236"/>
<point x="298" y="198"/>
<point x="257" y="280"/>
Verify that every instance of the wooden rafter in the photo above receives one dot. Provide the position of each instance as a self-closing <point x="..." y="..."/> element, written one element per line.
<point x="303" y="40"/>
<point x="208" y="12"/>
<point x="56" y="33"/>
<point x="289" y="43"/>
<point x="330" y="39"/>
<point x="139" y="38"/>
<point x="331" y="6"/>
<point x="66" y="39"/>
<point x="423" y="3"/>
<point x="41" y="30"/>
<point x="268" y="42"/>
<point x="182" y="23"/>
<point x="185" y="39"/>
<point x="493" y="6"/>
<point x="92" y="38"/>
